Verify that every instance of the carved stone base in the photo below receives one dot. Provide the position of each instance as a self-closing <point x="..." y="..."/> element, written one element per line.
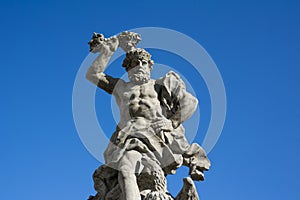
<point x="188" y="192"/>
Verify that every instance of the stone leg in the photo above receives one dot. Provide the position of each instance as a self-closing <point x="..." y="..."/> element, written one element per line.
<point x="128" y="167"/>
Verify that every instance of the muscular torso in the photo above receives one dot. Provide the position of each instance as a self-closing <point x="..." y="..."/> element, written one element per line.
<point x="138" y="101"/>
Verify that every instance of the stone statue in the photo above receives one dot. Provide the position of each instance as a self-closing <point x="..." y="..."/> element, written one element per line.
<point x="149" y="141"/>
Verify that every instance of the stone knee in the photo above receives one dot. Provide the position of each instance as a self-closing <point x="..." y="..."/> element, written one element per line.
<point x="130" y="163"/>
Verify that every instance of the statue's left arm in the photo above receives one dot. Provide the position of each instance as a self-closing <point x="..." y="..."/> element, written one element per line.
<point x="178" y="106"/>
<point x="178" y="103"/>
<point x="187" y="105"/>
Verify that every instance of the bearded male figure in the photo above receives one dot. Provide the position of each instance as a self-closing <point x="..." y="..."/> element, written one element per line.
<point x="149" y="141"/>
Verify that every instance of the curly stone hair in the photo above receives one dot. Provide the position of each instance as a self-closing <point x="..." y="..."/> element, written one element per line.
<point x="137" y="53"/>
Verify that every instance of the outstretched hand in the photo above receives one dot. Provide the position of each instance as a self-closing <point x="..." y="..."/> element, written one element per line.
<point x="125" y="40"/>
<point x="99" y="43"/>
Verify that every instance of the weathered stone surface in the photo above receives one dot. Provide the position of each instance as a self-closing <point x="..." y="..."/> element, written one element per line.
<point x="149" y="141"/>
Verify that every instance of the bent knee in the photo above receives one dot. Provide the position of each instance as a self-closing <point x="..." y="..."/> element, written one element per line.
<point x="126" y="168"/>
<point x="126" y="173"/>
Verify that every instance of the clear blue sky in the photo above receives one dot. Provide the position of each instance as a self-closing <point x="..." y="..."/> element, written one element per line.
<point x="255" y="45"/>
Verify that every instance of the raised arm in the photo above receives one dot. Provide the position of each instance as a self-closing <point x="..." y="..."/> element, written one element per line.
<point x="126" y="40"/>
<point x="95" y="73"/>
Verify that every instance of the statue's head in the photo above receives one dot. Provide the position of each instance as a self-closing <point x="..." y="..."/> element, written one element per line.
<point x="138" y="65"/>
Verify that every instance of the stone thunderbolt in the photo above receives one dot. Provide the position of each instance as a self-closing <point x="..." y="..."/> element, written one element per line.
<point x="149" y="141"/>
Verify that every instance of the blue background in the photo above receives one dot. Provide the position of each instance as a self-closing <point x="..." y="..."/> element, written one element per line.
<point x="255" y="45"/>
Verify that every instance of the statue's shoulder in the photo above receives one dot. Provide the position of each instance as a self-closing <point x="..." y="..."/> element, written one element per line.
<point x="171" y="82"/>
<point x="173" y="75"/>
<point x="170" y="76"/>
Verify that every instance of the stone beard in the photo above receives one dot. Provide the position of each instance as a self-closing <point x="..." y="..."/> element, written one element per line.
<point x="139" y="76"/>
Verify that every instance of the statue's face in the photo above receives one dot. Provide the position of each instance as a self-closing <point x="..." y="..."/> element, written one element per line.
<point x="139" y="71"/>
